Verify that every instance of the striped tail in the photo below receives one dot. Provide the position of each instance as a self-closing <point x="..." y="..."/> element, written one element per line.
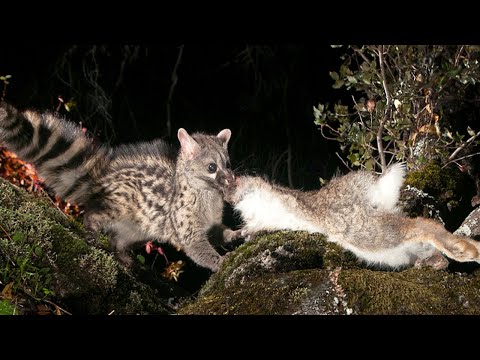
<point x="65" y="158"/>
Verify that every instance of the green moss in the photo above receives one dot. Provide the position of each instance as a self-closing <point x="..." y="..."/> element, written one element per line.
<point x="435" y="181"/>
<point x="7" y="308"/>
<point x="278" y="252"/>
<point x="131" y="296"/>
<point x="270" y="294"/>
<point x="412" y="291"/>
<point x="451" y="189"/>
<point x="46" y="254"/>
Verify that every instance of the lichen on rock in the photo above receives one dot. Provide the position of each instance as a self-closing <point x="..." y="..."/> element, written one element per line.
<point x="299" y="273"/>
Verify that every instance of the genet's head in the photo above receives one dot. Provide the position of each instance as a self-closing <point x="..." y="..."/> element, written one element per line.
<point x="205" y="160"/>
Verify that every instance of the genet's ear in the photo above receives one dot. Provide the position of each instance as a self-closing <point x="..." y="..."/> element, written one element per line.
<point x="225" y="135"/>
<point x="189" y="146"/>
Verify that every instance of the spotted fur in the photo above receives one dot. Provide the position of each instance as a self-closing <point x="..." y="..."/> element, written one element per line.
<point x="135" y="193"/>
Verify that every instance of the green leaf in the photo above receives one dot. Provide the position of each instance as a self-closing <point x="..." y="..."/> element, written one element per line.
<point x="18" y="236"/>
<point x="338" y="84"/>
<point x="44" y="270"/>
<point x="7" y="308"/>
<point x="364" y="66"/>
<point x="360" y="106"/>
<point x="369" y="164"/>
<point x="353" y="158"/>
<point x="334" y="75"/>
<point x="352" y="79"/>
<point x="340" y="109"/>
<point x="47" y="292"/>
<point x="38" y="251"/>
<point x="141" y="259"/>
<point x="470" y="131"/>
<point x="345" y="70"/>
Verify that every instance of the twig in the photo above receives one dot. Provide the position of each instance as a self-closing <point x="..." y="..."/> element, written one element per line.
<point x="464" y="157"/>
<point x="325" y="136"/>
<point x="1" y="227"/>
<point x="56" y="306"/>
<point x="374" y="148"/>
<point x="390" y="69"/>
<point x="27" y="292"/>
<point x="53" y="202"/>
<point x="387" y="108"/>
<point x="465" y="144"/>
<point x="172" y="87"/>
<point x="358" y="111"/>
<point x="360" y="52"/>
<point x="458" y="55"/>
<point x="377" y="163"/>
<point x="343" y="161"/>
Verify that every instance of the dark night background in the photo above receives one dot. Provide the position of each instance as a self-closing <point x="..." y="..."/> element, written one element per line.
<point x="267" y="103"/>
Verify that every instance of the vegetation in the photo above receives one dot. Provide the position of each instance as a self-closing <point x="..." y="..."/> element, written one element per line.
<point x="47" y="266"/>
<point x="411" y="103"/>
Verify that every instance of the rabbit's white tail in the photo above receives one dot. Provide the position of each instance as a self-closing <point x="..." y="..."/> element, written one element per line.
<point x="385" y="192"/>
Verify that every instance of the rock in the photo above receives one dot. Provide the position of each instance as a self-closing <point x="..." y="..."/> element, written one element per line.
<point x="45" y="255"/>
<point x="415" y="202"/>
<point x="441" y="192"/>
<point x="471" y="225"/>
<point x="299" y="273"/>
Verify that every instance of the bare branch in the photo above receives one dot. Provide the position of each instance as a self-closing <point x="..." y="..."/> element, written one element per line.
<point x="329" y="127"/>
<point x="387" y="114"/>
<point x="343" y="161"/>
<point x="461" y="158"/>
<point x="56" y="306"/>
<point x="358" y="111"/>
<point x="360" y="52"/>
<point x="463" y="146"/>
<point x="457" y="57"/>
<point x="377" y="162"/>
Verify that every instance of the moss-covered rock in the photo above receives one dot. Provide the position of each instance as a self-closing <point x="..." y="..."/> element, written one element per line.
<point x="300" y="273"/>
<point x="45" y="255"/>
<point x="446" y="189"/>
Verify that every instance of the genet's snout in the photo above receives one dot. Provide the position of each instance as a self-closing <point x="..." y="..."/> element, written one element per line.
<point x="226" y="178"/>
<point x="229" y="178"/>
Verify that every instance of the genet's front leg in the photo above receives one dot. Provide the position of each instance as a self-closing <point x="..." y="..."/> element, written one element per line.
<point x="199" y="249"/>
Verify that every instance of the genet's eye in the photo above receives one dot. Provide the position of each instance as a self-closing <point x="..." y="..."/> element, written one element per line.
<point x="212" y="167"/>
